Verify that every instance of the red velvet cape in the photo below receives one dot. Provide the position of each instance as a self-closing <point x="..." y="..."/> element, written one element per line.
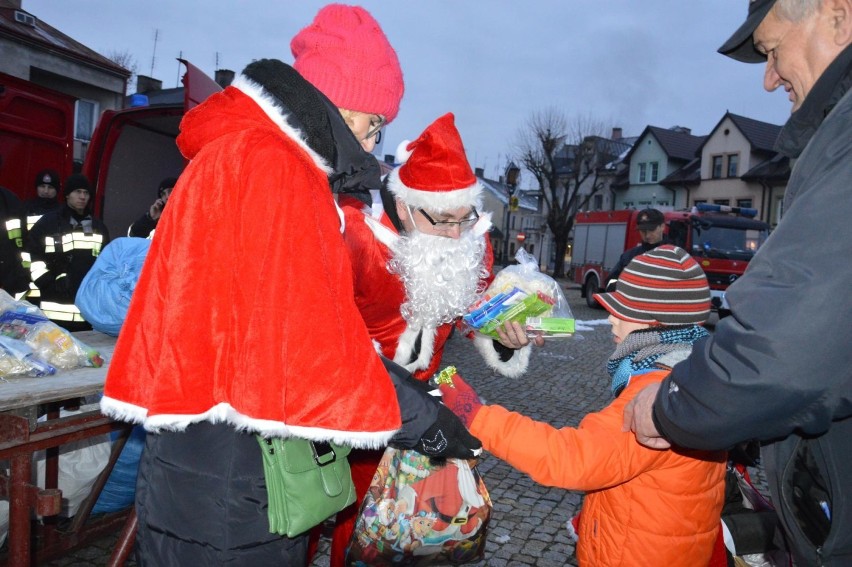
<point x="244" y="311"/>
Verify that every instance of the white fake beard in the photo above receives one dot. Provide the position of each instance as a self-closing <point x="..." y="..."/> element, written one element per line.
<point x="442" y="276"/>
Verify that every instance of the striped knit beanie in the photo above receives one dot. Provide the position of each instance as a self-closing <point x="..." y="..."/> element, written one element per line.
<point x="664" y="285"/>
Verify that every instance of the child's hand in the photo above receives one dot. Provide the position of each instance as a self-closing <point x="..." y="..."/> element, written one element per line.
<point x="461" y="399"/>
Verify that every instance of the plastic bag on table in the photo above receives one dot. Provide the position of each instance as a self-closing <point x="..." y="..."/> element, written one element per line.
<point x="416" y="513"/>
<point x="49" y="342"/>
<point x="522" y="293"/>
<point x="17" y="359"/>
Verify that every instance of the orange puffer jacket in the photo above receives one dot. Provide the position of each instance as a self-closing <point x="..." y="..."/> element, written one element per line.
<point x="643" y="506"/>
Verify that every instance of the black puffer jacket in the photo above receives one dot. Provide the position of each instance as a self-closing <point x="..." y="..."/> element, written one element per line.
<point x="778" y="369"/>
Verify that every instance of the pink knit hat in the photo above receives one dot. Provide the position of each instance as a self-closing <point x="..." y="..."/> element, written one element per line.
<point x="346" y="55"/>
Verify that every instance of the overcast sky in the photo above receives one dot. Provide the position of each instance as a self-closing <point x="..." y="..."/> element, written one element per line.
<point x="626" y="63"/>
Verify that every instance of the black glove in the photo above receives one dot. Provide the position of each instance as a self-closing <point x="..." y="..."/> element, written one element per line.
<point x="427" y="425"/>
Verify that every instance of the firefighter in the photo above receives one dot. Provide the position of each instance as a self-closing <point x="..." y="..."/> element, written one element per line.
<point x="14" y="277"/>
<point x="63" y="245"/>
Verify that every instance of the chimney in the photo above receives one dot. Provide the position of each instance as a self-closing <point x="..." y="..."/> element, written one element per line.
<point x="16" y="4"/>
<point x="479" y="172"/>
<point x="224" y="77"/>
<point x="616" y="133"/>
<point x="146" y="84"/>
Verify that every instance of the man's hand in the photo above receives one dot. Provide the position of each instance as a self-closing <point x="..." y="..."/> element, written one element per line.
<point x="156" y="209"/>
<point x="637" y="418"/>
<point x="512" y="335"/>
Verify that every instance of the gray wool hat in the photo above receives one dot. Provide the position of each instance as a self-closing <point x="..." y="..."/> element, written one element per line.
<point x="740" y="46"/>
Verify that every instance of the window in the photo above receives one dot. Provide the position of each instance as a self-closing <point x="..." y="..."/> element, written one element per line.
<point x="699" y="201"/>
<point x="655" y="171"/>
<point x="722" y="201"/>
<point x="744" y="203"/>
<point x="733" y="160"/>
<point x="597" y="202"/>
<point x="643" y="172"/>
<point x="717" y="167"/>
<point x="84" y="123"/>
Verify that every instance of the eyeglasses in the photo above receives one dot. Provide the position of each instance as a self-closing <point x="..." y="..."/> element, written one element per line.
<point x="376" y="125"/>
<point x="463" y="224"/>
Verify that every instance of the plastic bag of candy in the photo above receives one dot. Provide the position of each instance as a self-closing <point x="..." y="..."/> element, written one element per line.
<point x="50" y="343"/>
<point x="17" y="358"/>
<point x="522" y="293"/>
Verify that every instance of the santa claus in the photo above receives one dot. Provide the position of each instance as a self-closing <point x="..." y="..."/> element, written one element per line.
<point x="421" y="256"/>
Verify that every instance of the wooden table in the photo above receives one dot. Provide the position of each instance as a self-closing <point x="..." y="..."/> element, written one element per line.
<point x="21" y="435"/>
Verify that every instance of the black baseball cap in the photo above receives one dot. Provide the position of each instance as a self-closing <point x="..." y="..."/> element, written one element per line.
<point x="740" y="46"/>
<point x="649" y="219"/>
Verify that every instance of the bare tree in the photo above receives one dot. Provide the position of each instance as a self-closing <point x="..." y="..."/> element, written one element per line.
<point x="562" y="155"/>
<point x="127" y="60"/>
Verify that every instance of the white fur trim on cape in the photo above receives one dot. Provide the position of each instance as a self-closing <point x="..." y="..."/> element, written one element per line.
<point x="405" y="346"/>
<point x="277" y="114"/>
<point x="382" y="233"/>
<point x="438" y="201"/>
<point x="511" y="368"/>
<point x="225" y="413"/>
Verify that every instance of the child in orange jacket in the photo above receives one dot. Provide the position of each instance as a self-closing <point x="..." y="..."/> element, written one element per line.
<point x="643" y="506"/>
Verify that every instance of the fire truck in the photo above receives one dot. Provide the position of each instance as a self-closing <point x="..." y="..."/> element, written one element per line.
<point x="131" y="150"/>
<point x="722" y="240"/>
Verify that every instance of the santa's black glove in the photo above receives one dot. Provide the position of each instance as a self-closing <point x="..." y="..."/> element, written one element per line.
<point x="427" y="425"/>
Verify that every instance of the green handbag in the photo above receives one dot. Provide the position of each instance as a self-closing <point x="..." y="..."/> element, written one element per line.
<point x="306" y="482"/>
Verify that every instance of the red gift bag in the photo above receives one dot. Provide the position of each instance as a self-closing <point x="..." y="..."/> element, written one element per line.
<point x="417" y="513"/>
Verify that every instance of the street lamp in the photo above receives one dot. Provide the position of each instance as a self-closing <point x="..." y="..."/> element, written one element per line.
<point x="511" y="176"/>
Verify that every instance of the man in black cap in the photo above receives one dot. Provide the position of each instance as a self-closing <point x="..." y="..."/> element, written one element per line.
<point x="63" y="246"/>
<point x="147" y="223"/>
<point x="650" y="223"/>
<point x="47" y="188"/>
<point x="777" y="369"/>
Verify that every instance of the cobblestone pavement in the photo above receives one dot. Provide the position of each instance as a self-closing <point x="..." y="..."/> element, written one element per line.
<point x="565" y="381"/>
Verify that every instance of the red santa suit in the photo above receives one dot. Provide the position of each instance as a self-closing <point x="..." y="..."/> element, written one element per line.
<point x="435" y="176"/>
<point x="380" y="293"/>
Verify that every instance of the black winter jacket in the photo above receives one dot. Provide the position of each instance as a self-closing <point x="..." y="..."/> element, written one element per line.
<point x="778" y="369"/>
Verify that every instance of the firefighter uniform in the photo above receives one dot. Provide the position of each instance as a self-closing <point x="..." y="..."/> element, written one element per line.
<point x="14" y="275"/>
<point x="63" y="247"/>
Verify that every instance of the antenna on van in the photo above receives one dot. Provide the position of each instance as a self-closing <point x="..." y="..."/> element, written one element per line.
<point x="177" y="80"/>
<point x="154" y="53"/>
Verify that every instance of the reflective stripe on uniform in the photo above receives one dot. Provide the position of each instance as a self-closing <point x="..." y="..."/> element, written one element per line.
<point x="82" y="241"/>
<point x="31" y="220"/>
<point x="61" y="311"/>
<point x="13" y="228"/>
<point x="37" y="269"/>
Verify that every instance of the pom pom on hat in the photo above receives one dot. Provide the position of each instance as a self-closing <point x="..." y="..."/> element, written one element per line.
<point x="346" y="55"/>
<point x="435" y="174"/>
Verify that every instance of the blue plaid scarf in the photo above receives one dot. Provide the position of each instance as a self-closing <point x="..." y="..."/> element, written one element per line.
<point x="639" y="352"/>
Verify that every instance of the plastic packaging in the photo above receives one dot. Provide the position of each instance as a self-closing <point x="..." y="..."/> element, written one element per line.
<point x="522" y="293"/>
<point x="50" y="343"/>
<point x="17" y="358"/>
<point x="104" y="295"/>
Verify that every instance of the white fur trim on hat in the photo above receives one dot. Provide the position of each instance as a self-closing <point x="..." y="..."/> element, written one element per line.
<point x="438" y="201"/>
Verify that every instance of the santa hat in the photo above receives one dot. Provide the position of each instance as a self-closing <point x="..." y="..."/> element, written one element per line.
<point x="435" y="174"/>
